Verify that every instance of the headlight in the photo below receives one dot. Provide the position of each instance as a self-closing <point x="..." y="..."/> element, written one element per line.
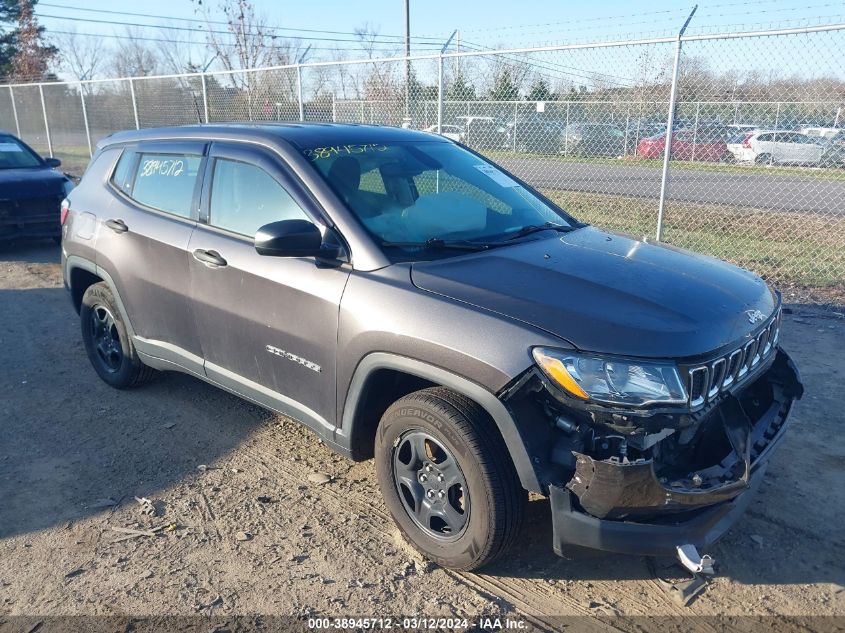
<point x="613" y="381"/>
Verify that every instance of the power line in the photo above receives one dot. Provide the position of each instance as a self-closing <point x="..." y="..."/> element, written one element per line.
<point x="552" y="66"/>
<point x="200" y="43"/>
<point x="370" y="39"/>
<point x="202" y="20"/>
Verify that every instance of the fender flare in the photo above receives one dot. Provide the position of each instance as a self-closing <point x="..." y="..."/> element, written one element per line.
<point x="75" y="261"/>
<point x="497" y="411"/>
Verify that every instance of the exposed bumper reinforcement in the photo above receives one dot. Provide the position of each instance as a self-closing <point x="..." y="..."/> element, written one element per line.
<point x="701" y="528"/>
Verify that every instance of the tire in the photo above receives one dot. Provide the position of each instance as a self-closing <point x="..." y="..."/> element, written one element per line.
<point x="485" y="503"/>
<point x="107" y="343"/>
<point x="728" y="158"/>
<point x="763" y="159"/>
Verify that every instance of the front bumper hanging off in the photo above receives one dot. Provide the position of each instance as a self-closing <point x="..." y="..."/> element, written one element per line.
<point x="625" y="507"/>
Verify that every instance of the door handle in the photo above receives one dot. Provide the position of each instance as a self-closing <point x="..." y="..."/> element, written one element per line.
<point x="118" y="226"/>
<point x="210" y="258"/>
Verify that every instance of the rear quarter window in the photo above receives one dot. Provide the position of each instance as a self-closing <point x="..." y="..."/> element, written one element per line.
<point x="121" y="176"/>
<point x="166" y="182"/>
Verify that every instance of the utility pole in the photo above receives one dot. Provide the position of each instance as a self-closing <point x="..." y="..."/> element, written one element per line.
<point x="407" y="120"/>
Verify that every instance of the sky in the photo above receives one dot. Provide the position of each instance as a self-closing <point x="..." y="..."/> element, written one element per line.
<point x="481" y="23"/>
<point x="488" y="22"/>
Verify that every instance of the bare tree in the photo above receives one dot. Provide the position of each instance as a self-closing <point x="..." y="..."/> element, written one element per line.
<point x="249" y="42"/>
<point x="133" y="57"/>
<point x="380" y="83"/>
<point x="80" y="56"/>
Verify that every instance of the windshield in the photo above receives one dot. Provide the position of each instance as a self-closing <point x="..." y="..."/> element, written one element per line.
<point x="14" y="155"/>
<point x="408" y="194"/>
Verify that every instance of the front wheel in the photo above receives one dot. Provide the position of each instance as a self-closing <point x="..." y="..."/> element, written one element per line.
<point x="447" y="478"/>
<point x="763" y="159"/>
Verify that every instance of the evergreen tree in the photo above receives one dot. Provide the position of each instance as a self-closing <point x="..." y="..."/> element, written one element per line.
<point x="504" y="87"/>
<point x="460" y="89"/>
<point x="540" y="91"/>
<point x="23" y="54"/>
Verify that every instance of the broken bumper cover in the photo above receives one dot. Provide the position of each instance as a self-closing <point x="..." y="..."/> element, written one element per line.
<point x="626" y="508"/>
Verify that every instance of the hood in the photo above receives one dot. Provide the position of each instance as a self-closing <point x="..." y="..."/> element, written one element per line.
<point x="31" y="182"/>
<point x="607" y="293"/>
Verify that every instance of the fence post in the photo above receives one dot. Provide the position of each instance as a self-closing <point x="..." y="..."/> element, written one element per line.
<point x="334" y="109"/>
<point x="299" y="92"/>
<point x="46" y="122"/>
<point x="639" y="122"/>
<point x="566" y="132"/>
<point x="440" y="94"/>
<point x="134" y="104"/>
<point x="513" y="136"/>
<point x="204" y="98"/>
<point x="695" y="130"/>
<point x="667" y="150"/>
<point x="15" y="111"/>
<point x="440" y="83"/>
<point x="85" y="119"/>
<point x="627" y="126"/>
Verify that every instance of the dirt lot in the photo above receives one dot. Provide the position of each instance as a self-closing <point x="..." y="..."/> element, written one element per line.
<point x="215" y="466"/>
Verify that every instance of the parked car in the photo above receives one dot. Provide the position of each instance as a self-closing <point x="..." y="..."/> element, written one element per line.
<point x="535" y="133"/>
<point x="833" y="149"/>
<point x="592" y="139"/>
<point x="452" y="132"/>
<point x="777" y="146"/>
<point x="686" y="145"/>
<point x="483" y="132"/>
<point x="411" y="301"/>
<point x="638" y="130"/>
<point x="31" y="191"/>
<point x="819" y="132"/>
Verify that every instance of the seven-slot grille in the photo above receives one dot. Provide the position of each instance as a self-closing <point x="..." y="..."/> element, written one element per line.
<point x="706" y="381"/>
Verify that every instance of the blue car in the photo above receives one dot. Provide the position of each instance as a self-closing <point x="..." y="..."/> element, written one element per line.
<point x="31" y="192"/>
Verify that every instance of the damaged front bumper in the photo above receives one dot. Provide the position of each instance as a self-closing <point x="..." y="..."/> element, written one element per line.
<point x="638" y="506"/>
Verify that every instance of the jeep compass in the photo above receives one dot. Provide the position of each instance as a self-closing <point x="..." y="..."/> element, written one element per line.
<point x="412" y="302"/>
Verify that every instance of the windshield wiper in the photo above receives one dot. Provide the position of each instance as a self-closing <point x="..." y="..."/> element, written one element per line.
<point x="536" y="228"/>
<point x="436" y="243"/>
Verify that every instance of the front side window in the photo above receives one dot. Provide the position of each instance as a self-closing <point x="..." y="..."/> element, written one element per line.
<point x="166" y="182"/>
<point x="244" y="198"/>
<point x="429" y="190"/>
<point x="15" y="155"/>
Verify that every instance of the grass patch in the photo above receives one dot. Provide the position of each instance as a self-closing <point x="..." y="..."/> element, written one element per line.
<point x="789" y="248"/>
<point x="821" y="173"/>
<point x="74" y="159"/>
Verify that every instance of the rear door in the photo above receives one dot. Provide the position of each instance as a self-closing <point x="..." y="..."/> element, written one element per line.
<point x="267" y="325"/>
<point x="142" y="242"/>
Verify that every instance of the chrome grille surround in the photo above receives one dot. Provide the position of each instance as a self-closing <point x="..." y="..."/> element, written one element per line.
<point x="705" y="381"/>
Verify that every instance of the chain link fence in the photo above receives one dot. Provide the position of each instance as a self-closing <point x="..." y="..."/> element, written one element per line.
<point x="753" y="172"/>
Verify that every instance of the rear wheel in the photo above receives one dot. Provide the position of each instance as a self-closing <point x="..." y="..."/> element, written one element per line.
<point x="107" y="343"/>
<point x="447" y="478"/>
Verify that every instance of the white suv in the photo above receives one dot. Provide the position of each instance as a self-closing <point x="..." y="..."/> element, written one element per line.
<point x="777" y="146"/>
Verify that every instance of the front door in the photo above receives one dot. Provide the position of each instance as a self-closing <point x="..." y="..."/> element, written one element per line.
<point x="267" y="325"/>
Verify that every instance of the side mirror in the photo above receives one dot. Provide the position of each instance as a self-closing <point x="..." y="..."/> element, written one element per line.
<point x="53" y="162"/>
<point x="292" y="238"/>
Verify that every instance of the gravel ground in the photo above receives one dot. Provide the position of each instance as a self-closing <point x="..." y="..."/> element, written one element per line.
<point x="241" y="527"/>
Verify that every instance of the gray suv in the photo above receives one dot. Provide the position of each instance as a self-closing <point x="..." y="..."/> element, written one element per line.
<point x="410" y="301"/>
